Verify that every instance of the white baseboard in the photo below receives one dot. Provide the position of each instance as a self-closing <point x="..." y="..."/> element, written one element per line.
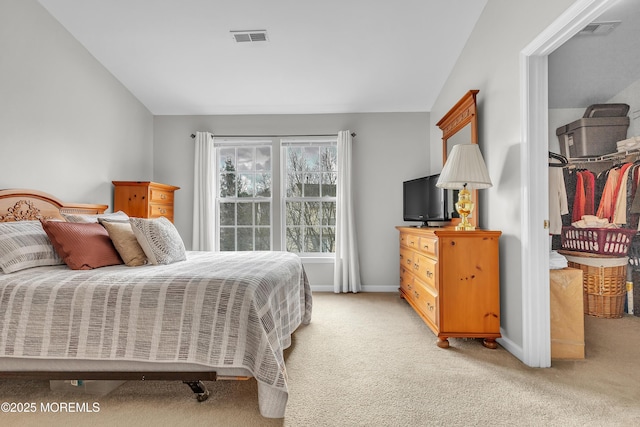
<point x="329" y="288"/>
<point x="510" y="346"/>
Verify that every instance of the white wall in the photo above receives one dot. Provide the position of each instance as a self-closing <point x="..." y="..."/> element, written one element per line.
<point x="67" y="126"/>
<point x="388" y="149"/>
<point x="490" y="63"/>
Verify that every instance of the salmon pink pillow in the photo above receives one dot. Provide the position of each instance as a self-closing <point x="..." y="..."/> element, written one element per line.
<point x="82" y="246"/>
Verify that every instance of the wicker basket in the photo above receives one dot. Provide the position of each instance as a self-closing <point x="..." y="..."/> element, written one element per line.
<point x="602" y="241"/>
<point x="604" y="283"/>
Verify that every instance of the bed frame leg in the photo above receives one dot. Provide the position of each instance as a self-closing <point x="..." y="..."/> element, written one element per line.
<point x="199" y="389"/>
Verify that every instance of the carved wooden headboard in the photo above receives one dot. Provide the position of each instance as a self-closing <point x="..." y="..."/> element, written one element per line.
<point x="23" y="205"/>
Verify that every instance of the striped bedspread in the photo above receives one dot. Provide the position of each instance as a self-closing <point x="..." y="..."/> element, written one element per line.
<point x="218" y="309"/>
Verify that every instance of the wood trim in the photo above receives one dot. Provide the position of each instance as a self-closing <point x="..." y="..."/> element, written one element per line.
<point x="24" y="205"/>
<point x="464" y="112"/>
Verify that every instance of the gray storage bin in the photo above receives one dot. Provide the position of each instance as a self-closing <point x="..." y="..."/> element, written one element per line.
<point x="596" y="133"/>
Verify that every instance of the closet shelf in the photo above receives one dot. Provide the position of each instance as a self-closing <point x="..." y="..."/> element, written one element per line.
<point x="605" y="157"/>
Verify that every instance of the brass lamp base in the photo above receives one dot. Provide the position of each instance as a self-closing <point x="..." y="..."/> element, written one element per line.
<point x="464" y="206"/>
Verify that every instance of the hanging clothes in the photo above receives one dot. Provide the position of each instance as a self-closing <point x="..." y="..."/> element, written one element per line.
<point x="558" y="204"/>
<point x="607" y="201"/>
<point x="620" y="210"/>
<point x="579" y="199"/>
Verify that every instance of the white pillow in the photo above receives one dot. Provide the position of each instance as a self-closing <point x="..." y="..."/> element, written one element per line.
<point x="24" y="244"/>
<point x="159" y="239"/>
<point x="115" y="216"/>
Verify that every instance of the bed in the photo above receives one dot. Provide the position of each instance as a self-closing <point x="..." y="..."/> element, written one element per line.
<point x="212" y="315"/>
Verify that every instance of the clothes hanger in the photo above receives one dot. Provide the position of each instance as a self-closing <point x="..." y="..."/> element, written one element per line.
<point x="562" y="159"/>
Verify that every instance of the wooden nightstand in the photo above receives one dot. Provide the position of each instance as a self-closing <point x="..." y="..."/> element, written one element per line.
<point x="144" y="199"/>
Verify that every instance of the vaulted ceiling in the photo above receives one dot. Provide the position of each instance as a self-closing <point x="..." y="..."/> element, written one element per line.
<point x="328" y="56"/>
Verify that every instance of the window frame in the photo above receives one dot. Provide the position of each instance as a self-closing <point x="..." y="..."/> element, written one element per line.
<point x="238" y="143"/>
<point x="317" y="257"/>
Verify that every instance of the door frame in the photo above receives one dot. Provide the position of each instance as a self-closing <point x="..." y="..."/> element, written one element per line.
<point x="534" y="89"/>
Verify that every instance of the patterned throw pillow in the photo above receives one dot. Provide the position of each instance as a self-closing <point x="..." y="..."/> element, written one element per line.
<point x="24" y="244"/>
<point x="82" y="246"/>
<point x="159" y="239"/>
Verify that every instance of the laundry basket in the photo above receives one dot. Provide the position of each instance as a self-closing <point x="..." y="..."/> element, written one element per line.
<point x="604" y="284"/>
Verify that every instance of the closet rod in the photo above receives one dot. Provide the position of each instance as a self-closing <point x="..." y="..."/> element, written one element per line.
<point x="193" y="135"/>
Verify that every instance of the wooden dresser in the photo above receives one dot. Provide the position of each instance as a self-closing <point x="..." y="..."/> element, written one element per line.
<point x="452" y="280"/>
<point x="144" y="199"/>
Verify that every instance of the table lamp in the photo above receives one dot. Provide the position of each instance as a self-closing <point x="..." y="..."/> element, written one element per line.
<point x="464" y="170"/>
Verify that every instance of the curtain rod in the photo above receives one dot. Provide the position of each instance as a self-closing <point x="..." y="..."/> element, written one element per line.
<point x="193" y="135"/>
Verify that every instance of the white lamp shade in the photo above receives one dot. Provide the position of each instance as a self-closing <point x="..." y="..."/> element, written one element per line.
<point x="465" y="165"/>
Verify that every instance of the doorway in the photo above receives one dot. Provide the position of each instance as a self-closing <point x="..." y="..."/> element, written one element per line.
<point x="534" y="85"/>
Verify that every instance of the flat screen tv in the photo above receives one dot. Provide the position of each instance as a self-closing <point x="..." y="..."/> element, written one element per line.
<point x="424" y="202"/>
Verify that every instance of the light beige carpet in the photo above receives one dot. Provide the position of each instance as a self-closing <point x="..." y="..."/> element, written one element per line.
<point x="369" y="360"/>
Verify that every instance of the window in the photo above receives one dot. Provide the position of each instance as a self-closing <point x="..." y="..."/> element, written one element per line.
<point x="302" y="181"/>
<point x="310" y="197"/>
<point x="244" y="197"/>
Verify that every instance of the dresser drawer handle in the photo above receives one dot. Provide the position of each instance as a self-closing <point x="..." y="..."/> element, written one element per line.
<point x="430" y="306"/>
<point x="163" y="196"/>
<point x="425" y="247"/>
<point x="163" y="211"/>
<point x="429" y="273"/>
<point x="416" y="294"/>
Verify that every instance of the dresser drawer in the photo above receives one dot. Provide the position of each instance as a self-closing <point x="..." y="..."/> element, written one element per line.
<point x="157" y="210"/>
<point x="426" y="269"/>
<point x="413" y="241"/>
<point x="161" y="196"/>
<point x="426" y="300"/>
<point x="429" y="245"/>
<point x="406" y="257"/>
<point x="406" y="282"/>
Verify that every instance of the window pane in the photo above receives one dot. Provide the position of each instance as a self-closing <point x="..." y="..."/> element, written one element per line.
<point x="245" y="238"/>
<point x="227" y="239"/>
<point x="329" y="184"/>
<point x="245" y="213"/>
<point x="294" y="213"/>
<point x="311" y="158"/>
<point x="263" y="239"/>
<point x="263" y="185"/>
<point x="294" y="239"/>
<point x="227" y="214"/>
<point x="245" y="159"/>
<point x="263" y="159"/>
<point x="246" y="185"/>
<point x="312" y="185"/>
<point x="328" y="213"/>
<point x="263" y="213"/>
<point x="312" y="213"/>
<point x="227" y="159"/>
<point x="328" y="239"/>
<point x="294" y="184"/>
<point x="312" y="239"/>
<point x="329" y="158"/>
<point x="295" y="162"/>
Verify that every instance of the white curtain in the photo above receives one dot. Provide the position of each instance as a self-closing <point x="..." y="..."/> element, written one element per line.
<point x="346" y="277"/>
<point x="205" y="181"/>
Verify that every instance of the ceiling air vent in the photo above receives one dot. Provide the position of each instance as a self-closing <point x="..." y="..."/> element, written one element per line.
<point x="599" y="28"/>
<point x="250" y="36"/>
